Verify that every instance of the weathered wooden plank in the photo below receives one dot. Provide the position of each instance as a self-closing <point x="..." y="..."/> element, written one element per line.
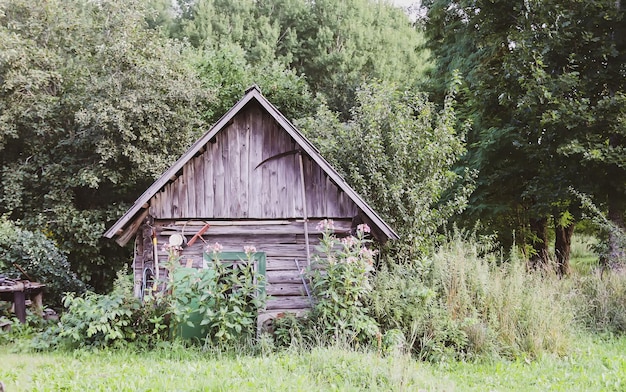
<point x="256" y="227"/>
<point x="233" y="172"/>
<point x="284" y="202"/>
<point x="321" y="194"/>
<point x="265" y="168"/>
<point x="298" y="206"/>
<point x="244" y="167"/>
<point x="285" y="289"/>
<point x="158" y="208"/>
<point x="332" y="199"/>
<point x="278" y="263"/>
<point x="209" y="180"/>
<point x="288" y="303"/>
<point x="235" y="222"/>
<point x="274" y="164"/>
<point x="219" y="176"/>
<point x="190" y="174"/>
<point x="161" y="208"/>
<point x="154" y="203"/>
<point x="199" y="184"/>
<point x="283" y="276"/>
<point x="183" y="197"/>
<point x="132" y="229"/>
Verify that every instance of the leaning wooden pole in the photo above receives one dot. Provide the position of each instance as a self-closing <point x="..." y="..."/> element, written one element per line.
<point x="304" y="211"/>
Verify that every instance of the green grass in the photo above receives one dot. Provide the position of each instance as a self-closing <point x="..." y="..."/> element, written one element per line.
<point x="583" y="259"/>
<point x="595" y="364"/>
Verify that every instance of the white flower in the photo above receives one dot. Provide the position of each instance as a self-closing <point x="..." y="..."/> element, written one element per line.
<point x="215" y="248"/>
<point x="325" y="225"/>
<point x="363" y="228"/>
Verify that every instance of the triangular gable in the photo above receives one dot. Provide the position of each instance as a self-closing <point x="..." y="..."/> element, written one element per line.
<point x="305" y="145"/>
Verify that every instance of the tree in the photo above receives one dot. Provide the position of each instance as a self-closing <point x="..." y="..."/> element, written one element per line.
<point x="397" y="151"/>
<point x="30" y="255"/>
<point x="537" y="83"/>
<point x="227" y="72"/>
<point x="336" y="45"/>
<point x="94" y="105"/>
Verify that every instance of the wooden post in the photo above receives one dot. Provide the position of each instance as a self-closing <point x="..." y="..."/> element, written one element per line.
<point x="19" y="302"/>
<point x="38" y="302"/>
<point x="155" y="249"/>
<point x="304" y="211"/>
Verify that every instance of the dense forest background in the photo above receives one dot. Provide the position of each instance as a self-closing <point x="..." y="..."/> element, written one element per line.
<point x="507" y="113"/>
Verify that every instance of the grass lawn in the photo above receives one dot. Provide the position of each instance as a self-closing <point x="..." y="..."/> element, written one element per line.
<point x="595" y="365"/>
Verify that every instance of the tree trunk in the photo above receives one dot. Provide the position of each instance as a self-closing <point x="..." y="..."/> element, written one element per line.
<point x="539" y="230"/>
<point x="563" y="246"/>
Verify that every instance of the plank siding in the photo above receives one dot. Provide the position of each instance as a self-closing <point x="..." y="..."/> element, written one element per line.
<point x="225" y="180"/>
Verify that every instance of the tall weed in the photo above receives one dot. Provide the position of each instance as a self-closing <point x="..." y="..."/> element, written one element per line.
<point x="464" y="301"/>
<point x="601" y="301"/>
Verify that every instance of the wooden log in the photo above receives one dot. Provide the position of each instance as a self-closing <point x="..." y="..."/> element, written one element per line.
<point x="283" y="276"/>
<point x="19" y="303"/>
<point x="285" y="289"/>
<point x="288" y="303"/>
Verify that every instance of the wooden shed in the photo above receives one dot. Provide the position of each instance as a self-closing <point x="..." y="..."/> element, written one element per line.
<point x="254" y="180"/>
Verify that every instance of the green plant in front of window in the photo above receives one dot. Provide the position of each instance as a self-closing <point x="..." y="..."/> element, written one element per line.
<point x="230" y="311"/>
<point x="222" y="300"/>
<point x="340" y="281"/>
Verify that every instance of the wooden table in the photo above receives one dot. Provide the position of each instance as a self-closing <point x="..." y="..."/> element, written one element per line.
<point x="20" y="289"/>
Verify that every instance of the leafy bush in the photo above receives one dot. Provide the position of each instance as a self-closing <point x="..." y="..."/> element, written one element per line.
<point x="340" y="281"/>
<point x="226" y="297"/>
<point x="115" y="319"/>
<point x="40" y="259"/>
<point x="397" y="151"/>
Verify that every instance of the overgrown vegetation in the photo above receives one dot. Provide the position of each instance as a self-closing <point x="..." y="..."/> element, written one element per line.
<point x="223" y="299"/>
<point x="340" y="283"/>
<point x="397" y="150"/>
<point x="466" y="301"/>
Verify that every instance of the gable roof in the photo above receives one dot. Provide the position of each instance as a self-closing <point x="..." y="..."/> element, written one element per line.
<point x="252" y="93"/>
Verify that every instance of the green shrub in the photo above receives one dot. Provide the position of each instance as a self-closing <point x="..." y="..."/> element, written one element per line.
<point x="226" y="297"/>
<point x="115" y="319"/>
<point x="340" y="282"/>
<point x="40" y="259"/>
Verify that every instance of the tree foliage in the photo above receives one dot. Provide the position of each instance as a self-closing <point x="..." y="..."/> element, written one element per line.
<point x="544" y="86"/>
<point x="397" y="151"/>
<point x="335" y="45"/>
<point x="93" y="106"/>
<point x="31" y="255"/>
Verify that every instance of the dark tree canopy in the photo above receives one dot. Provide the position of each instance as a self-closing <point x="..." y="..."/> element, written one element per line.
<point x="544" y="89"/>
<point x="93" y="106"/>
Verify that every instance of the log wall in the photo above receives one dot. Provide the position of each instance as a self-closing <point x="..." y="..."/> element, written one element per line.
<point x="283" y="242"/>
